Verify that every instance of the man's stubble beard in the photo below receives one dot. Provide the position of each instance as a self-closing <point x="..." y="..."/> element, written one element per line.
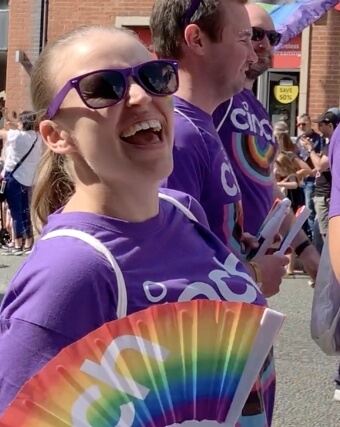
<point x="256" y="70"/>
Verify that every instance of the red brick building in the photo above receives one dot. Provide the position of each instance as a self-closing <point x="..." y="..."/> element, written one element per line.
<point x="310" y="62"/>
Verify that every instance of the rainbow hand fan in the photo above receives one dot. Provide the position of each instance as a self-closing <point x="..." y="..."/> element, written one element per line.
<point x="184" y="364"/>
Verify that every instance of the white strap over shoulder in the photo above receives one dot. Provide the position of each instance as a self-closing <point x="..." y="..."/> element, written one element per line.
<point x="178" y="205"/>
<point x="102" y="249"/>
<point x="225" y="115"/>
<point x="186" y="117"/>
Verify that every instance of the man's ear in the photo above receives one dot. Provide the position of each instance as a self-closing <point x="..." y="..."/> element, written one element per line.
<point x="57" y="139"/>
<point x="196" y="39"/>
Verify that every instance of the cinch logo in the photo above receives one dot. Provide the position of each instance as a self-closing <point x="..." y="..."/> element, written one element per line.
<point x="243" y="119"/>
<point x="229" y="180"/>
<point x="106" y="373"/>
<point x="229" y="270"/>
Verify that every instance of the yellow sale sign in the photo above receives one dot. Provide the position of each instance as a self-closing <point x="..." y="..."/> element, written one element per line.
<point x="286" y="94"/>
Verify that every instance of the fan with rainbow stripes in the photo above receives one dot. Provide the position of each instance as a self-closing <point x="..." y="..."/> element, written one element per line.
<point x="184" y="364"/>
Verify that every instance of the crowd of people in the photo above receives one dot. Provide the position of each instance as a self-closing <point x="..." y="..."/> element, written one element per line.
<point x="129" y="139"/>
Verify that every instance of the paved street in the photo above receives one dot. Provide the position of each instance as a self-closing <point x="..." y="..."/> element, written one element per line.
<point x="305" y="387"/>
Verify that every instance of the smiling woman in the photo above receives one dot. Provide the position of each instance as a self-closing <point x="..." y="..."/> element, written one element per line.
<point x="106" y="118"/>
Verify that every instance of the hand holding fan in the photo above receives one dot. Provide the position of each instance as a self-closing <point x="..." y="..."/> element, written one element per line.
<point x="184" y="364"/>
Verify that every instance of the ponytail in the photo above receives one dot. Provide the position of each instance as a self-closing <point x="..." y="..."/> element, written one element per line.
<point x="52" y="190"/>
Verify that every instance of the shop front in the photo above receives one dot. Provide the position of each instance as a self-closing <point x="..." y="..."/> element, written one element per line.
<point x="278" y="89"/>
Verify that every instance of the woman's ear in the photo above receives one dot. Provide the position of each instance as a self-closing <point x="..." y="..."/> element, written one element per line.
<point x="57" y="139"/>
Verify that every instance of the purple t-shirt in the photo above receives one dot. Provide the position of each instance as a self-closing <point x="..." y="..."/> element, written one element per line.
<point x="202" y="169"/>
<point x="334" y="161"/>
<point x="247" y="136"/>
<point x="67" y="289"/>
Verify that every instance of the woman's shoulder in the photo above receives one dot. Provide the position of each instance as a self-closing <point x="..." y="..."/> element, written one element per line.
<point x="60" y="274"/>
<point x="187" y="201"/>
<point x="12" y="134"/>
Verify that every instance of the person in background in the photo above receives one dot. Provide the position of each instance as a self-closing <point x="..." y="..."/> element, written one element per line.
<point x="334" y="220"/>
<point x="109" y="143"/>
<point x="305" y="129"/>
<point x="245" y="129"/>
<point x="20" y="142"/>
<point x="327" y="123"/>
<point x="288" y="179"/>
<point x="212" y="42"/>
<point x="280" y="128"/>
<point x="286" y="146"/>
<point x="198" y="39"/>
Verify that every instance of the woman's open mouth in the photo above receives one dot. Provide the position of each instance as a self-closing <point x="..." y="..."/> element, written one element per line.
<point x="143" y="134"/>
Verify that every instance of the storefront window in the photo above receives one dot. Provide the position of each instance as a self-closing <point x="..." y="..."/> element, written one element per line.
<point x="284" y="97"/>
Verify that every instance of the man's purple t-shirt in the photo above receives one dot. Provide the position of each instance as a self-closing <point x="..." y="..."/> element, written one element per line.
<point x="246" y="133"/>
<point x="67" y="289"/>
<point x="202" y="169"/>
<point x="334" y="161"/>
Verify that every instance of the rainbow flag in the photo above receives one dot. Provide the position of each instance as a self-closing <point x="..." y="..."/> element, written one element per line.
<point x="291" y="17"/>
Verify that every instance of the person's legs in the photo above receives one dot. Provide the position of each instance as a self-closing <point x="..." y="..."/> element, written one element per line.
<point x="290" y="269"/>
<point x="322" y="209"/>
<point x="309" y="196"/>
<point x="14" y="191"/>
<point x="26" y="218"/>
<point x="317" y="240"/>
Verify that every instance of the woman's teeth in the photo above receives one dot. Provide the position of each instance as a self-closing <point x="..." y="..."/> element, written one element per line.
<point x="153" y="124"/>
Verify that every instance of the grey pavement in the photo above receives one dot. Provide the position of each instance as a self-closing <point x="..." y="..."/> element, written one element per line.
<point x="305" y="376"/>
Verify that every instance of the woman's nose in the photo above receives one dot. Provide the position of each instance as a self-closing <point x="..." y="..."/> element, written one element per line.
<point x="137" y="95"/>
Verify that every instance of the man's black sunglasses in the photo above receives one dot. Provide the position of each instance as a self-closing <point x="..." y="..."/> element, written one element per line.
<point x="259" y="34"/>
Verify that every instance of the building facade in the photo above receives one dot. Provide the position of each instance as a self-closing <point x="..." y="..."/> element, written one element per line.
<point x="305" y="73"/>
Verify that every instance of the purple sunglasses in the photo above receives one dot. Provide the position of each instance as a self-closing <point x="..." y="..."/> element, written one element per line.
<point x="104" y="88"/>
<point x="193" y="6"/>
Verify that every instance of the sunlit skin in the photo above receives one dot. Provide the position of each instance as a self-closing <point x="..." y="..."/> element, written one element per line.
<point x="104" y="163"/>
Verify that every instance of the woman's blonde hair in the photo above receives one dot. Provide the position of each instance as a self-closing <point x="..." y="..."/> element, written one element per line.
<point x="54" y="184"/>
<point x="286" y="163"/>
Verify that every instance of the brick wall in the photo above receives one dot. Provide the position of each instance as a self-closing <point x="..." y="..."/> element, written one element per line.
<point x="24" y="34"/>
<point x="63" y="15"/>
<point x="67" y="14"/>
<point x="128" y="7"/>
<point x="324" y="73"/>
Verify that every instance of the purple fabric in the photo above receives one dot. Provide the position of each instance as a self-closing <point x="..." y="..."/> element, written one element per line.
<point x="202" y="169"/>
<point x="334" y="161"/>
<point x="292" y="18"/>
<point x="66" y="289"/>
<point x="246" y="134"/>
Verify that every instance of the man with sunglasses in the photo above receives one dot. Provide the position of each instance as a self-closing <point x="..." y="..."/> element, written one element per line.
<point x="198" y="34"/>
<point x="212" y="42"/>
<point x="244" y="127"/>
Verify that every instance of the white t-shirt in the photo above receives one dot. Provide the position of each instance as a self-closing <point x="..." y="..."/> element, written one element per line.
<point x="17" y="145"/>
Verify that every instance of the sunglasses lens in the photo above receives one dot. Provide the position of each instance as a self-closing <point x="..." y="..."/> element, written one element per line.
<point x="258" y="34"/>
<point x="274" y="38"/>
<point x="102" y="89"/>
<point x="159" y="78"/>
